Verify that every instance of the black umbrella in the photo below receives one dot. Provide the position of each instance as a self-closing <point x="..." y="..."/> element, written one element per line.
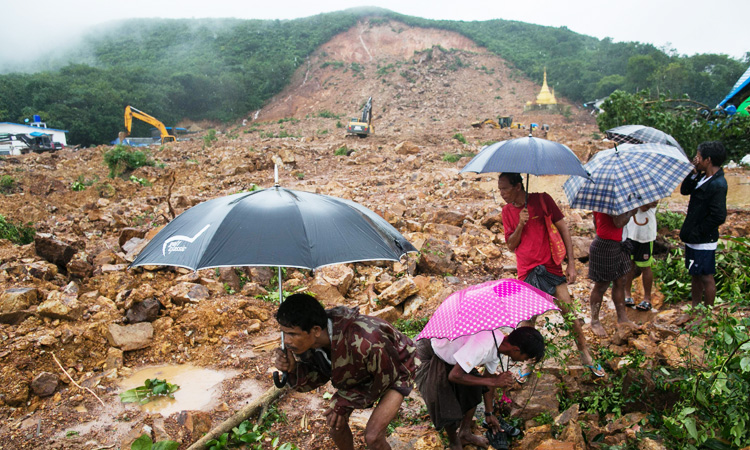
<point x="529" y="155"/>
<point x="274" y="227"/>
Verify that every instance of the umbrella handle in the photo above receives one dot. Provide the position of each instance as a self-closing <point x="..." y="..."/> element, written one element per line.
<point x="279" y="379"/>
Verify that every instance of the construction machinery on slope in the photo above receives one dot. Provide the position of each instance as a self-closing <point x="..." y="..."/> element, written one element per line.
<point x="362" y="126"/>
<point x="488" y="122"/>
<point x="131" y="113"/>
<point x="20" y="143"/>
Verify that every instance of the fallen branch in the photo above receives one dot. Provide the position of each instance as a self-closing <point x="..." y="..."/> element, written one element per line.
<point x="240" y="416"/>
<point x="73" y="381"/>
<point x="169" y="194"/>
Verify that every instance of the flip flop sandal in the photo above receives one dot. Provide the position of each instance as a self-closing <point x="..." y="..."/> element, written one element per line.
<point x="597" y="370"/>
<point x="629" y="301"/>
<point x="521" y="378"/>
<point x="643" y="306"/>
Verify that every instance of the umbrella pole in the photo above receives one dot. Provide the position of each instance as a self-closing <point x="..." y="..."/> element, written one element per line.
<point x="280" y="379"/>
<point x="526" y="200"/>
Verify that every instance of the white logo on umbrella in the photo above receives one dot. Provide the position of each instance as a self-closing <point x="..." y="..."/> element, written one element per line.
<point x="174" y="242"/>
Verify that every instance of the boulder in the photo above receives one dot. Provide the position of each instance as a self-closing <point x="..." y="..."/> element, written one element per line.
<point x="399" y="291"/>
<point x="128" y="233"/>
<point x="337" y="275"/>
<point x="114" y="358"/>
<point x="78" y="268"/>
<point x="145" y="311"/>
<point x="18" y="299"/>
<point x="53" y="250"/>
<point x="188" y="293"/>
<point x="389" y="314"/>
<point x="406" y="148"/>
<point x="130" y="337"/>
<point x="44" y="384"/>
<point x="436" y="257"/>
<point x="228" y="277"/>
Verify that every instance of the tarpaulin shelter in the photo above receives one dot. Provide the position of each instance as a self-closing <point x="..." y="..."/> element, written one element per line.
<point x="740" y="93"/>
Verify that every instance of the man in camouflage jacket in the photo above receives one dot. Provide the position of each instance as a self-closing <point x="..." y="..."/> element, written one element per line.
<point x="364" y="357"/>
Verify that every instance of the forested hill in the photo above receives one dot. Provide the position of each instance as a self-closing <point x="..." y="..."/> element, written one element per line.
<point x="222" y="69"/>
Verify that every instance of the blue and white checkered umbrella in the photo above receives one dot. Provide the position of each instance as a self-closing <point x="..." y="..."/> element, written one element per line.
<point x="641" y="134"/>
<point x="627" y="177"/>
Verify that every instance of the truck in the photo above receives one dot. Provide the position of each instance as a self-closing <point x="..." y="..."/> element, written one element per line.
<point x="20" y="143"/>
<point x="361" y="126"/>
<point x="131" y="113"/>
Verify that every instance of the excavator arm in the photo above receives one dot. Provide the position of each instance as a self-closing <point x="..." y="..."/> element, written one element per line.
<point x="131" y="113"/>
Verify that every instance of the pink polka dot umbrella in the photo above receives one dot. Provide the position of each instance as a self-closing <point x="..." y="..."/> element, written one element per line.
<point x="487" y="306"/>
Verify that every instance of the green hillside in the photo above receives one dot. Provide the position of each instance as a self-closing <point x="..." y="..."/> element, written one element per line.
<point x="221" y="69"/>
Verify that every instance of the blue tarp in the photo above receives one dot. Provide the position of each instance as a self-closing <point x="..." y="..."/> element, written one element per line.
<point x="742" y="84"/>
<point x="37" y="134"/>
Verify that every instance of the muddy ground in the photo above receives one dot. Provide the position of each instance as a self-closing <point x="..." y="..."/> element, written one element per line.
<point x="428" y="86"/>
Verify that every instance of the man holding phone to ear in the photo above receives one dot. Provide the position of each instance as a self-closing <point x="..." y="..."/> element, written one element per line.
<point x="707" y="209"/>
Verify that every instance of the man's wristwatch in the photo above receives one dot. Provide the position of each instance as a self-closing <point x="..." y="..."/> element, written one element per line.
<point x="487" y="413"/>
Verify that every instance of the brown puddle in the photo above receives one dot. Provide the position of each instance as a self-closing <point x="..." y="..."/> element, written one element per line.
<point x="199" y="387"/>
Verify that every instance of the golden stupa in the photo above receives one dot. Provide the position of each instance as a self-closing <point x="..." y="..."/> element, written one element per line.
<point x="546" y="97"/>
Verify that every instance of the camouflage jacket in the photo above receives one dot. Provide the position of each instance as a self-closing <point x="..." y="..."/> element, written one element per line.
<point x="368" y="357"/>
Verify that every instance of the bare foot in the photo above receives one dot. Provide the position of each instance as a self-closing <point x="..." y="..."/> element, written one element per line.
<point x="628" y="323"/>
<point x="598" y="329"/>
<point x="472" y="439"/>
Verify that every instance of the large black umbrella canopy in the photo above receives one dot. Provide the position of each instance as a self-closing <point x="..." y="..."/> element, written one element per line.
<point x="642" y="134"/>
<point x="274" y="227"/>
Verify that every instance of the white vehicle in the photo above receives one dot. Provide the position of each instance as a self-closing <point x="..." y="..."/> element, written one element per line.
<point x="10" y="145"/>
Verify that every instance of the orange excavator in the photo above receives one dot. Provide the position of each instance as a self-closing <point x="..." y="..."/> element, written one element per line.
<point x="131" y="113"/>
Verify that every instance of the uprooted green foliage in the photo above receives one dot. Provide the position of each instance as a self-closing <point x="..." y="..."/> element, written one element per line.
<point x="145" y="443"/>
<point x="121" y="159"/>
<point x="254" y="437"/>
<point x="455" y="157"/>
<point x="411" y="327"/>
<point x="152" y="388"/>
<point x="17" y="234"/>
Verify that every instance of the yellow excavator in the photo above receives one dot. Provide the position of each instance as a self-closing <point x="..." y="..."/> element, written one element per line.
<point x="362" y="127"/>
<point x="488" y="122"/>
<point x="131" y="113"/>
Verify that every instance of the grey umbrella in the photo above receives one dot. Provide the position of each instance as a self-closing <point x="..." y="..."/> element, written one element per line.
<point x="529" y="155"/>
<point x="274" y="227"/>
<point x="641" y="134"/>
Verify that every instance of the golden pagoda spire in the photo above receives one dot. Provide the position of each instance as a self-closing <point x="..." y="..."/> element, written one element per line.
<point x="545" y="97"/>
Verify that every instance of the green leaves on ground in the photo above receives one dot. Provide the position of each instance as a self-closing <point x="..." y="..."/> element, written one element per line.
<point x="17" y="234"/>
<point x="121" y="159"/>
<point x="151" y="389"/>
<point x="253" y="437"/>
<point x="144" y="443"/>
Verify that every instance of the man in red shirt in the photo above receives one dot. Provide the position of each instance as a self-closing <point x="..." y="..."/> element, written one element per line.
<point x="526" y="234"/>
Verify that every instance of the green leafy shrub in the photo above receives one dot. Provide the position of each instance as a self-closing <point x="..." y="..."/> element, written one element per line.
<point x="460" y="138"/>
<point x="327" y="114"/>
<point x="669" y="220"/>
<point x="7" y="184"/>
<point x="209" y="138"/>
<point x="253" y="437"/>
<point x="341" y="151"/>
<point x="152" y="388"/>
<point x="17" y="234"/>
<point x="121" y="159"/>
<point x="144" y="443"/>
<point x="455" y="157"/>
<point x="411" y="327"/>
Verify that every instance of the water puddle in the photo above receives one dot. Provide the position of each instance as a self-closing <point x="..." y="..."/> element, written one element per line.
<point x="198" y="387"/>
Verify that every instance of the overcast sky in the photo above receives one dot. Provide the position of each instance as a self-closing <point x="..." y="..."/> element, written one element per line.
<point x="688" y="26"/>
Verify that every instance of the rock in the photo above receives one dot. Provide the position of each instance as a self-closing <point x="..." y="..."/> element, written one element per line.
<point x="130" y="337"/>
<point x="252" y="289"/>
<point x="543" y="400"/>
<point x="78" y="268"/>
<point x="61" y="305"/>
<point x="533" y="437"/>
<point x="254" y="312"/>
<point x="436" y="257"/>
<point x="572" y="434"/>
<point x="581" y="246"/>
<point x="261" y="275"/>
<point x="145" y="311"/>
<point x="44" y="384"/>
<point x="196" y="422"/>
<point x="567" y="415"/>
<point x="42" y="270"/>
<point x="444" y="216"/>
<point x="228" y="277"/>
<point x="337" y="275"/>
<point x="14" y="392"/>
<point x="406" y="148"/>
<point x="650" y="444"/>
<point x="160" y="430"/>
<point x="399" y="291"/>
<point x="53" y="250"/>
<point x="114" y="358"/>
<point x="18" y="299"/>
<point x="128" y="233"/>
<point x="326" y="293"/>
<point x="554" y="444"/>
<point x="412" y="305"/>
<point x="451" y="232"/>
<point x="389" y="314"/>
<point x="187" y="293"/>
